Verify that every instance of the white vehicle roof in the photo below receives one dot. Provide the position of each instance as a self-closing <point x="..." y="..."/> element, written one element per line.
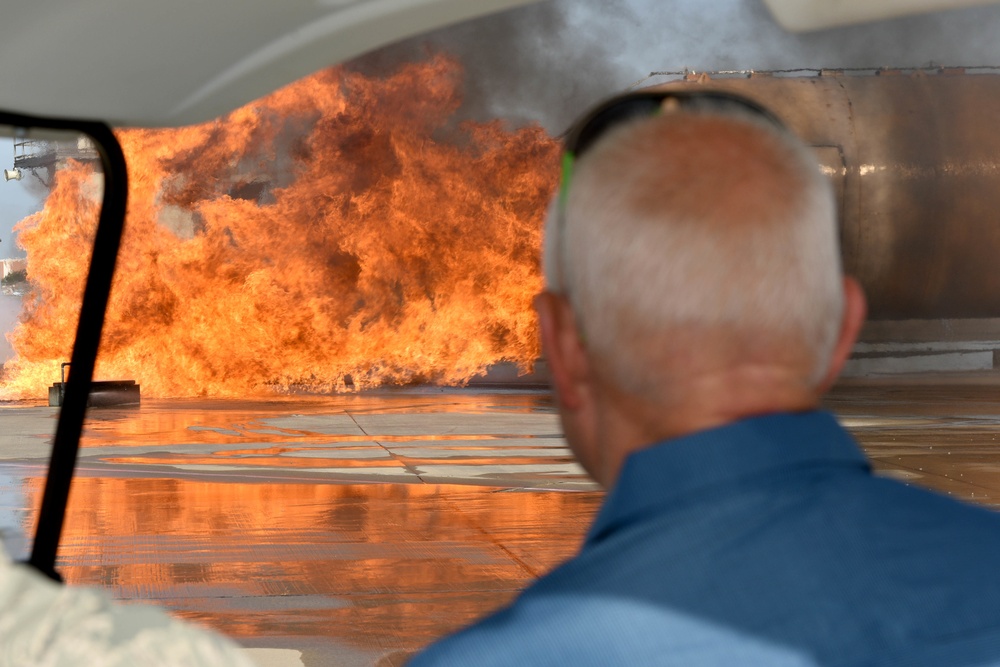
<point x="176" y="62"/>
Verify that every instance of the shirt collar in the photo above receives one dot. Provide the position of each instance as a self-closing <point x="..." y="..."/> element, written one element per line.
<point x="671" y="469"/>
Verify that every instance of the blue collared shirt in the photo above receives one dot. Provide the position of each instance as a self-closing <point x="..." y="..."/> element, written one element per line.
<point x="764" y="542"/>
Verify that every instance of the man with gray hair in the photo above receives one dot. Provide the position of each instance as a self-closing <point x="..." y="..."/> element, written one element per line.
<point x="695" y="314"/>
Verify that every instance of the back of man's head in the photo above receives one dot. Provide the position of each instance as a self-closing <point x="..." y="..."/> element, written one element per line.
<point x="694" y="241"/>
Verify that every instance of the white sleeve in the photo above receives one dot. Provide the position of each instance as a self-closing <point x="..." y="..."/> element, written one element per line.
<point x="44" y="624"/>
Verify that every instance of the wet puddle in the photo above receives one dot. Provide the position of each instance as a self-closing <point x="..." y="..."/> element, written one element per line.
<point x="249" y="518"/>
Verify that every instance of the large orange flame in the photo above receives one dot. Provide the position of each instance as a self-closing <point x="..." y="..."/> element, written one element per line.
<point x="343" y="227"/>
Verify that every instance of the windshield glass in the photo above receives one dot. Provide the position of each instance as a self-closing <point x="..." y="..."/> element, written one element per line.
<point x="345" y="442"/>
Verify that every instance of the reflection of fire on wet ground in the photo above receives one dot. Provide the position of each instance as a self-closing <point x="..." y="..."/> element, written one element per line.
<point x="395" y="565"/>
<point x="462" y="436"/>
<point x="250" y="517"/>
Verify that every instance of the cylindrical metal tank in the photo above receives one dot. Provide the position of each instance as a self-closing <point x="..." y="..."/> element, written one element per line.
<point x="915" y="157"/>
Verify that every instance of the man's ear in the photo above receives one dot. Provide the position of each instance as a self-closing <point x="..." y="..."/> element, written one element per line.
<point x="855" y="311"/>
<point x="563" y="350"/>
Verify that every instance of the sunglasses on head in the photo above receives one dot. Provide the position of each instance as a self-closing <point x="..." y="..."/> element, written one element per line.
<point x="634" y="106"/>
<point x="642" y="104"/>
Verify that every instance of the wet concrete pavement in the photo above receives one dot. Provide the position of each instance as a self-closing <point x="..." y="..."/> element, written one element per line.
<point x="348" y="531"/>
<point x="354" y="530"/>
<point x="942" y="436"/>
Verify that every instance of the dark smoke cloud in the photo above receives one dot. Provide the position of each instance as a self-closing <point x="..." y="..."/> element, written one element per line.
<point x="546" y="62"/>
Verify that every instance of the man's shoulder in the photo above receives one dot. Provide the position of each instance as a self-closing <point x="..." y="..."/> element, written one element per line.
<point x="584" y="629"/>
<point x="855" y="568"/>
<point x="883" y="512"/>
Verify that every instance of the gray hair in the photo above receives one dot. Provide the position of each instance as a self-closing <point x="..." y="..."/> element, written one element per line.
<point x="697" y="223"/>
